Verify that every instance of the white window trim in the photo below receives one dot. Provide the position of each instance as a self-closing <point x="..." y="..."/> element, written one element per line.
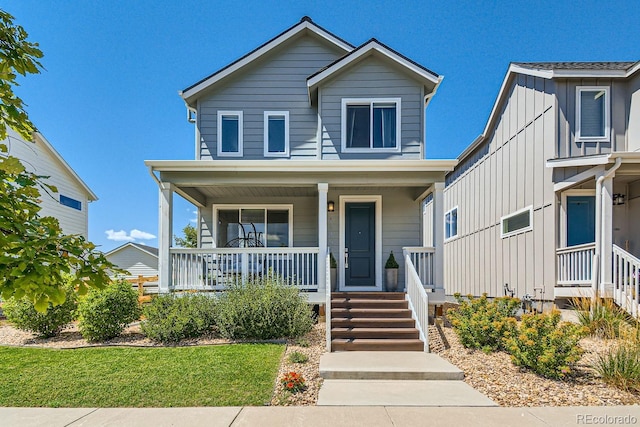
<point x="520" y="230"/>
<point x="455" y="208"/>
<point x="370" y="101"/>
<point x="268" y="153"/>
<point x="607" y="115"/>
<point x="240" y="151"/>
<point x="216" y="208"/>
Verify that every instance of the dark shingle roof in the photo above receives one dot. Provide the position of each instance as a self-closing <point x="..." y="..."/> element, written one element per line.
<point x="149" y="249"/>
<point x="598" y="66"/>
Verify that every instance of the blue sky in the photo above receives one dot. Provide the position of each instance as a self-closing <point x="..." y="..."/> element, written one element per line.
<point x="108" y="98"/>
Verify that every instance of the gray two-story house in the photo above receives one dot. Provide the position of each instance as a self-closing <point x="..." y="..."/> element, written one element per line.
<point x="306" y="145"/>
<point x="545" y="202"/>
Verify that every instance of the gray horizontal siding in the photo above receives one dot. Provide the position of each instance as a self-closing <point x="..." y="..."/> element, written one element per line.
<point x="275" y="83"/>
<point x="135" y="261"/>
<point x="371" y="78"/>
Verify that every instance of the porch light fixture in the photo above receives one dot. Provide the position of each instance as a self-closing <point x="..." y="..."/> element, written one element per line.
<point x="618" y="199"/>
<point x="331" y="206"/>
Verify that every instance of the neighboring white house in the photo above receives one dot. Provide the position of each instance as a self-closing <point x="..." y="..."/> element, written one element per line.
<point x="137" y="259"/>
<point x="70" y="205"/>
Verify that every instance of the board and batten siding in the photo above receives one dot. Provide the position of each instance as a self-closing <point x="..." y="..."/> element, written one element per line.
<point x="135" y="261"/>
<point x="372" y="78"/>
<point x="427" y="221"/>
<point x="38" y="159"/>
<point x="633" y="120"/>
<point x="275" y="83"/>
<point x="505" y="174"/>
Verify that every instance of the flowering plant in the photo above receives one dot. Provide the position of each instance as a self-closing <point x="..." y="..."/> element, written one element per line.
<point x="293" y="382"/>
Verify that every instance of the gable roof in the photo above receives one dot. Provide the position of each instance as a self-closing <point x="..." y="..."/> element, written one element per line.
<point x="38" y="137"/>
<point x="144" y="248"/>
<point x="306" y="24"/>
<point x="374" y="47"/>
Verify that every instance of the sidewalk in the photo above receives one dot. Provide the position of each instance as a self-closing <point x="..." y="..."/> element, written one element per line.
<point x="309" y="416"/>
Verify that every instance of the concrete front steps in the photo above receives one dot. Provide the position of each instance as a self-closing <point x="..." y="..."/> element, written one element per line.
<point x="394" y="378"/>
<point x="372" y="321"/>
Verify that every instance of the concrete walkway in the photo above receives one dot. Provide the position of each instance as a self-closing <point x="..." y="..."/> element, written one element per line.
<point x="310" y="416"/>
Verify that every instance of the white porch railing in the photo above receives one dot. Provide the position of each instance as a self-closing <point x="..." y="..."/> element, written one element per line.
<point x="626" y="280"/>
<point x="422" y="261"/>
<point x="418" y="300"/>
<point x="214" y="269"/>
<point x="327" y="308"/>
<point x="575" y="264"/>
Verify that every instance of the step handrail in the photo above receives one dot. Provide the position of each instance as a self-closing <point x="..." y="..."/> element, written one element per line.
<point x="327" y="310"/>
<point x="418" y="300"/>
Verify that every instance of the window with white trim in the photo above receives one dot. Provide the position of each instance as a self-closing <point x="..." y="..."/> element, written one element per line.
<point x="276" y="133"/>
<point x="254" y="226"/>
<point x="451" y="223"/>
<point x="370" y="124"/>
<point x="229" y="133"/>
<point x="517" y="222"/>
<point x="592" y="113"/>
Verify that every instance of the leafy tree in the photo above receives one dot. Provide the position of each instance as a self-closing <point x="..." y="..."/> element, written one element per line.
<point x="34" y="253"/>
<point x="190" y="239"/>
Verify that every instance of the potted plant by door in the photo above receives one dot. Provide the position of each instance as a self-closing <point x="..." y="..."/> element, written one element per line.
<point x="333" y="273"/>
<point x="391" y="270"/>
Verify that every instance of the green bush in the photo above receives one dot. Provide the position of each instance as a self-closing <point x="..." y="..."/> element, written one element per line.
<point x="620" y="366"/>
<point x="298" y="357"/>
<point x="104" y="313"/>
<point x="545" y="345"/>
<point x="171" y="318"/>
<point x="22" y="313"/>
<point x="605" y="319"/>
<point x="263" y="308"/>
<point x="481" y="323"/>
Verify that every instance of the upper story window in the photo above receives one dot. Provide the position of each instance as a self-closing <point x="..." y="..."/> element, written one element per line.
<point x="517" y="222"/>
<point x="451" y="223"/>
<point x="592" y="113"/>
<point x="229" y="133"/>
<point x="370" y="125"/>
<point x="72" y="203"/>
<point x="276" y="133"/>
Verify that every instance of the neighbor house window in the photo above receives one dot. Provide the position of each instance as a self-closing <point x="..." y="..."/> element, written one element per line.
<point x="72" y="203"/>
<point x="254" y="226"/>
<point x="517" y="222"/>
<point x="229" y="133"/>
<point x="370" y="124"/>
<point x="451" y="223"/>
<point x="592" y="113"/>
<point x="276" y="133"/>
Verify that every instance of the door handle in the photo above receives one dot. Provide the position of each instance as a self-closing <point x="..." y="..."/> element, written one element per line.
<point x="346" y="257"/>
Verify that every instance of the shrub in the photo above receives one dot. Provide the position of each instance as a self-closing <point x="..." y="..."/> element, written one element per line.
<point x="104" y="313"/>
<point x="298" y="357"/>
<point x="620" y="366"/>
<point x="544" y="345"/>
<point x="171" y="318"/>
<point x="481" y="323"/>
<point x="293" y="382"/>
<point x="264" y="307"/>
<point x="22" y="313"/>
<point x="605" y="320"/>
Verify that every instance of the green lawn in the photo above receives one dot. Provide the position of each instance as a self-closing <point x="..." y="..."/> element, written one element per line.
<point x="224" y="375"/>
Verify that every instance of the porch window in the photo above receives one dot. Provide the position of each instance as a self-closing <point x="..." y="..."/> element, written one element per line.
<point x="254" y="226"/>
<point x="370" y="124"/>
<point x="517" y="222"/>
<point x="229" y="133"/>
<point x="276" y="133"/>
<point x="592" y="113"/>
<point x="451" y="223"/>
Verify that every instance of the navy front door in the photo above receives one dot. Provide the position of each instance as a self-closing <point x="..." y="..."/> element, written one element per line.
<point x="581" y="220"/>
<point x="360" y="244"/>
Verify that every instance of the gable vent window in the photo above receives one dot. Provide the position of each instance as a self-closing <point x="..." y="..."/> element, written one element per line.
<point x="370" y="125"/>
<point x="276" y="133"/>
<point x="517" y="222"/>
<point x="592" y="113"/>
<point x="72" y="203"/>
<point x="229" y="133"/>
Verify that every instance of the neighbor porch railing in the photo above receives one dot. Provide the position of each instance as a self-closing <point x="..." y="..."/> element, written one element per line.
<point x="422" y="261"/>
<point x="575" y="264"/>
<point x="626" y="283"/>
<point x="216" y="268"/>
<point x="418" y="300"/>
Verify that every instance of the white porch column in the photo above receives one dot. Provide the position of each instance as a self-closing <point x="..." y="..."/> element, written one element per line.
<point x="165" y="234"/>
<point x="606" y="237"/>
<point x="438" y="236"/>
<point x="323" y="188"/>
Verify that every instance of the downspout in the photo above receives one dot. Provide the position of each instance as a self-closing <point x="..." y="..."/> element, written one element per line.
<point x="427" y="98"/>
<point x="598" y="248"/>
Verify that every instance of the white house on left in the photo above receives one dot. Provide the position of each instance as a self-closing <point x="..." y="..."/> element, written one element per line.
<point x="70" y="205"/>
